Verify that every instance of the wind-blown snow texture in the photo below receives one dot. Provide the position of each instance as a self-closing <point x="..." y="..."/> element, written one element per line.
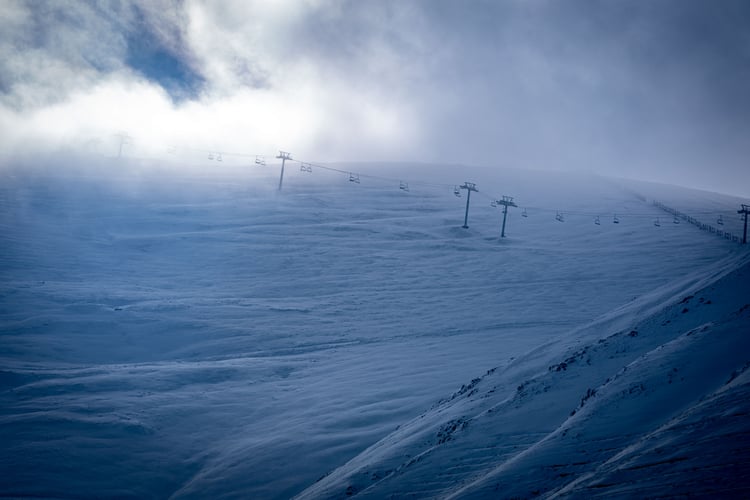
<point x="173" y="334"/>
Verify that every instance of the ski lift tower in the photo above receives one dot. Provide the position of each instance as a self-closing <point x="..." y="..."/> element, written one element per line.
<point x="469" y="186"/>
<point x="284" y="156"/>
<point x="124" y="139"/>
<point x="506" y="202"/>
<point x="745" y="210"/>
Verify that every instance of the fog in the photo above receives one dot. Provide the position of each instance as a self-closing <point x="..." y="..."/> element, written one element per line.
<point x="653" y="91"/>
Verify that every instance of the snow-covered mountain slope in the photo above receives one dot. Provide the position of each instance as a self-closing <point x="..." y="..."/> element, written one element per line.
<point x="166" y="332"/>
<point x="655" y="409"/>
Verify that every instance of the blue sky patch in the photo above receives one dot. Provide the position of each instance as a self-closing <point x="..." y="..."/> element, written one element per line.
<point x="166" y="66"/>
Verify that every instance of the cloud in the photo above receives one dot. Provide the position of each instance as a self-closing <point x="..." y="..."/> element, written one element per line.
<point x="652" y="90"/>
<point x="210" y="75"/>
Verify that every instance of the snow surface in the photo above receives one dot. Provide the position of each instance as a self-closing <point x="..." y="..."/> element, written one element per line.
<point x="168" y="332"/>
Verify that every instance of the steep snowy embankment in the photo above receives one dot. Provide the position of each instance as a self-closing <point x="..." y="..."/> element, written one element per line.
<point x="648" y="401"/>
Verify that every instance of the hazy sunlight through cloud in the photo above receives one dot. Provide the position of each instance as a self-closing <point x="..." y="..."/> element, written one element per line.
<point x="619" y="89"/>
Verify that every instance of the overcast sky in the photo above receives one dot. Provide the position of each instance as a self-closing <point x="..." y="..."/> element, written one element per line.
<point x="651" y="89"/>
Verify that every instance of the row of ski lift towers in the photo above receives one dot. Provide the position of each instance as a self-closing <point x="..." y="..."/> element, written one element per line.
<point x="505" y="201"/>
<point x="744" y="211"/>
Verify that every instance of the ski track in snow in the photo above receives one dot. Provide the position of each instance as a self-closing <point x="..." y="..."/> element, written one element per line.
<point x="192" y="336"/>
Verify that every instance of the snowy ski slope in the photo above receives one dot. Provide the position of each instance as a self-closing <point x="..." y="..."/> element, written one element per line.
<point x="167" y="332"/>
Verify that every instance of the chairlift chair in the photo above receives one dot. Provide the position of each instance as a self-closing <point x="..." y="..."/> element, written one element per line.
<point x="493" y="204"/>
<point x="210" y="156"/>
<point x="524" y="214"/>
<point x="353" y="178"/>
<point x="675" y="220"/>
<point x="720" y="221"/>
<point x="597" y="221"/>
<point x="615" y="220"/>
<point x="456" y="192"/>
<point x="559" y="217"/>
<point x="403" y="186"/>
<point x="218" y="157"/>
<point x="656" y="222"/>
<point x="259" y="160"/>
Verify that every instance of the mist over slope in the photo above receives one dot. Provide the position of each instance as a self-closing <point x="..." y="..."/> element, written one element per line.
<point x="175" y="332"/>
